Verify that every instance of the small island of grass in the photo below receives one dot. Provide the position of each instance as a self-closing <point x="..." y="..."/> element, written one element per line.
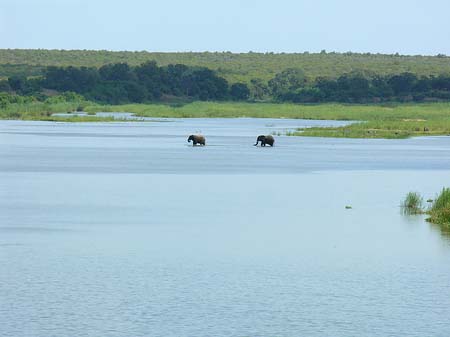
<point x="438" y="212"/>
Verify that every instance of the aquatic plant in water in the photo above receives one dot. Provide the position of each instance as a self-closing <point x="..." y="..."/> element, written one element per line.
<point x="413" y="203"/>
<point x="440" y="209"/>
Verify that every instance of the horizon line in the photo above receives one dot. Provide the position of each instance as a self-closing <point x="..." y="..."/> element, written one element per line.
<point x="323" y="52"/>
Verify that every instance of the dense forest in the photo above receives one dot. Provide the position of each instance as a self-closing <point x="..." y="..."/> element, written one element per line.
<point x="105" y="77"/>
<point x="121" y="83"/>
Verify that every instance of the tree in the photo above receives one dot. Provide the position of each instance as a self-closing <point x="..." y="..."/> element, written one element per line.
<point x="239" y="92"/>
<point x="116" y="72"/>
<point x="4" y="86"/>
<point x="204" y="84"/>
<point x="151" y="77"/>
<point x="17" y="83"/>
<point x="258" y="89"/>
<point x="402" y="84"/>
<point x="287" y="80"/>
<point x="353" y="88"/>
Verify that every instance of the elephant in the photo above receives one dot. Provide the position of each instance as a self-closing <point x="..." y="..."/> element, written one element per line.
<point x="196" y="139"/>
<point x="265" y="140"/>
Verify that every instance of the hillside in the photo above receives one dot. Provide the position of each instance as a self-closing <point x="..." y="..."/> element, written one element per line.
<point x="233" y="67"/>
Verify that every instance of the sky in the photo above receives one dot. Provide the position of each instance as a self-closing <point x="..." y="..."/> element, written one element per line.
<point x="383" y="26"/>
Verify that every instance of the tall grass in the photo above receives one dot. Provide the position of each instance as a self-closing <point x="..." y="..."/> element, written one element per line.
<point x="440" y="209"/>
<point x="376" y="121"/>
<point x="43" y="111"/>
<point x="439" y="212"/>
<point x="413" y="203"/>
<point x="408" y="113"/>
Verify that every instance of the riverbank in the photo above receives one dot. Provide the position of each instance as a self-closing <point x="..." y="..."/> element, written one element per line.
<point x="377" y="121"/>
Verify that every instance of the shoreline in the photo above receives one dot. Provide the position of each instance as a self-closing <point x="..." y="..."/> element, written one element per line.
<point x="397" y="121"/>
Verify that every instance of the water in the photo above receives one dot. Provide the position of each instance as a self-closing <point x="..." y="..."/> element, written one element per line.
<point x="123" y="229"/>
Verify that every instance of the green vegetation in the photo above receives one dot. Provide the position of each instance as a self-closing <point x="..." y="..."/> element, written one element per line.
<point x="242" y="67"/>
<point x="439" y="211"/>
<point x="413" y="203"/>
<point x="344" y="112"/>
<point x="120" y="83"/>
<point x="30" y="108"/>
<point x="142" y="77"/>
<point x="382" y="121"/>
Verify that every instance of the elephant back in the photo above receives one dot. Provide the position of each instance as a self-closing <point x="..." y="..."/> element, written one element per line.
<point x="270" y="140"/>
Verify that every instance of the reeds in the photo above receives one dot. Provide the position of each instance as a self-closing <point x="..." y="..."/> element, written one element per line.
<point x="440" y="209"/>
<point x="412" y="204"/>
<point x="376" y="121"/>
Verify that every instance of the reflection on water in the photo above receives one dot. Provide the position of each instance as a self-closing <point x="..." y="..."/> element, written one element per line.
<point x="444" y="230"/>
<point x="123" y="229"/>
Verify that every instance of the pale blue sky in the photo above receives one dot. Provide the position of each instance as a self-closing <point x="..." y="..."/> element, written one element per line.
<point x="385" y="26"/>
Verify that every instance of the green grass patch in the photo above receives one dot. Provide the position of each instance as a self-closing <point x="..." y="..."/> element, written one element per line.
<point x="440" y="209"/>
<point x="375" y="121"/>
<point x="412" y="204"/>
<point x="41" y="111"/>
<point x="379" y="121"/>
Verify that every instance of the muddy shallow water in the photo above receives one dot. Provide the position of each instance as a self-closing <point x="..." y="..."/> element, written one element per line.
<point x="123" y="229"/>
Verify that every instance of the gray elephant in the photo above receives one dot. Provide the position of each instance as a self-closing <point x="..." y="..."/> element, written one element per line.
<point x="265" y="140"/>
<point x="197" y="139"/>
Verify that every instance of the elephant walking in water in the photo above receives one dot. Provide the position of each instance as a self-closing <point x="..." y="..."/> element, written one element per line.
<point x="265" y="140"/>
<point x="197" y="139"/>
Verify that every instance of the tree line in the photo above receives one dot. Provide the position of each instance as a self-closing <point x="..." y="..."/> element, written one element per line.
<point x="121" y="83"/>
<point x="291" y="85"/>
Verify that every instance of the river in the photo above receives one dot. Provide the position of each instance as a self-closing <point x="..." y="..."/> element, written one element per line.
<point x="125" y="229"/>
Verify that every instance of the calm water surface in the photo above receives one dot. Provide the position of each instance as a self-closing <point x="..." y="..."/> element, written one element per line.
<point x="123" y="229"/>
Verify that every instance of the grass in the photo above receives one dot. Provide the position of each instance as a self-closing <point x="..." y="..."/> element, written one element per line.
<point x="40" y="111"/>
<point x="413" y="203"/>
<point x="380" y="121"/>
<point x="391" y="121"/>
<point x="440" y="209"/>
<point x="375" y="121"/>
<point x="390" y="129"/>
<point x="36" y="110"/>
